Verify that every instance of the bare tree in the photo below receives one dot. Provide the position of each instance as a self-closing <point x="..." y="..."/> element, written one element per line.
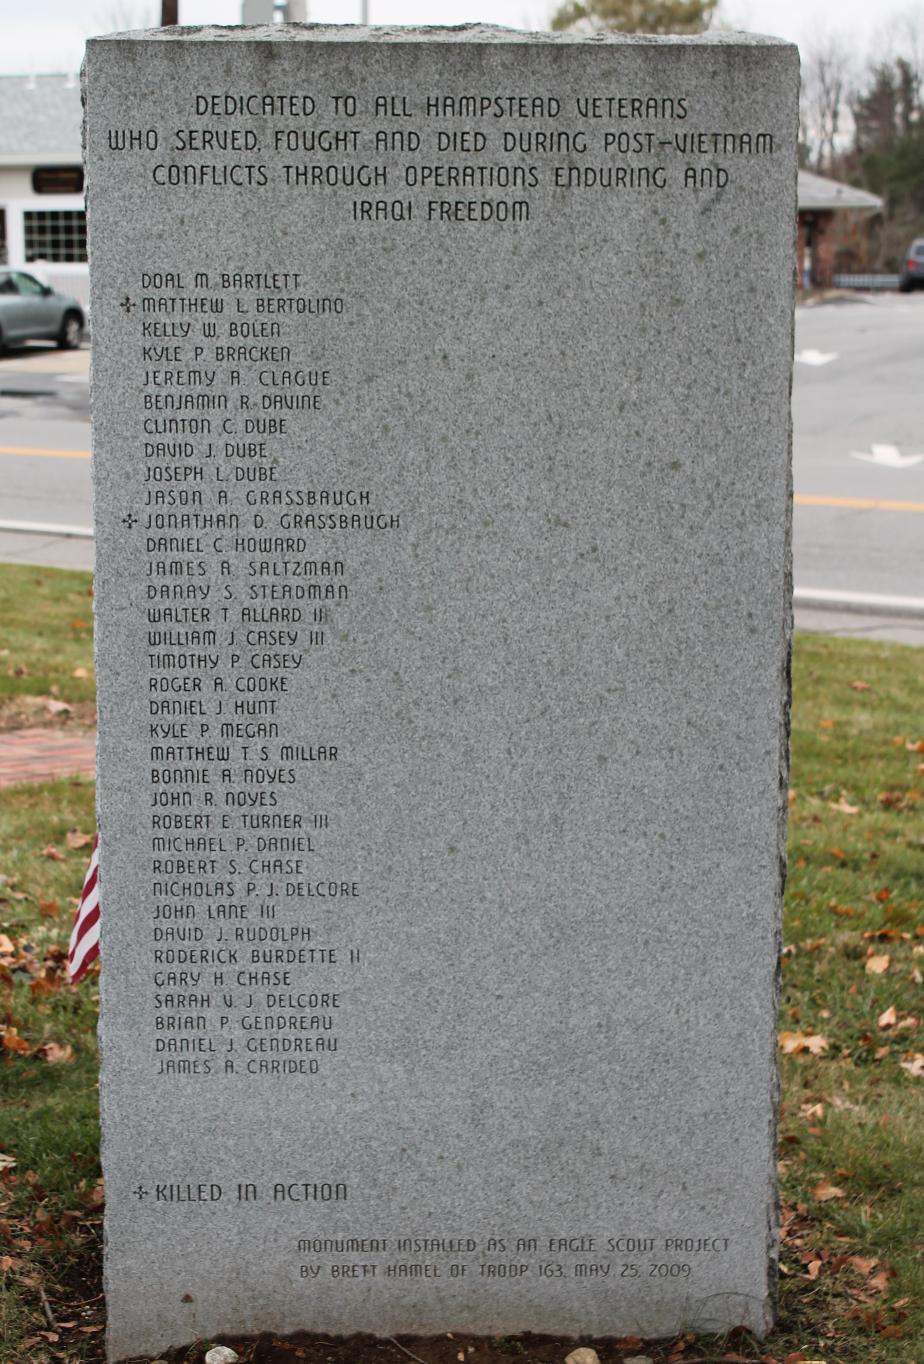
<point x="827" y="77"/>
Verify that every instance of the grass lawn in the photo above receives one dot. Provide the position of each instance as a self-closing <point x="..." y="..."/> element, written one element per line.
<point x="46" y="645"/>
<point x="851" y="1040"/>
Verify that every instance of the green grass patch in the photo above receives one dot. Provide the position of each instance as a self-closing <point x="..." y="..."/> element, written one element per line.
<point x="851" y="1132"/>
<point x="50" y="1199"/>
<point x="46" y="636"/>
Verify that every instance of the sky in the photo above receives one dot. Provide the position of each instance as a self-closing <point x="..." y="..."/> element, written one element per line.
<point x="48" y="35"/>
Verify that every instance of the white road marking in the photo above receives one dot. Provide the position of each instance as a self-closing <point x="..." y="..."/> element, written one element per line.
<point x="888" y="457"/>
<point x="816" y="357"/>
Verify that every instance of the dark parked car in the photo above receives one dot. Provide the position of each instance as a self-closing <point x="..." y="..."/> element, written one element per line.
<point x="30" y="311"/>
<point x="912" y="276"/>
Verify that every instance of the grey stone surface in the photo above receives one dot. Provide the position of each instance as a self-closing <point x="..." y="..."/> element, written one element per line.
<point x="443" y="729"/>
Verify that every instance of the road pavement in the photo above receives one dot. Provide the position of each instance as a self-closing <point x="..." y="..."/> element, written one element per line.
<point x="858" y="460"/>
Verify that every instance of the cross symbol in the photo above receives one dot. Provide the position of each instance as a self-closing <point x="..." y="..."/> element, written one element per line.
<point x="141" y="1192"/>
<point x="130" y="520"/>
<point x="126" y="305"/>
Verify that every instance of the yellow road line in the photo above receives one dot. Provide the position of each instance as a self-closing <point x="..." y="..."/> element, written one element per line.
<point x="857" y="503"/>
<point x="44" y="454"/>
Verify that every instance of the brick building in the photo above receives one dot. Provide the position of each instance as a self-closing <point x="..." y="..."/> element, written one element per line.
<point x="833" y="228"/>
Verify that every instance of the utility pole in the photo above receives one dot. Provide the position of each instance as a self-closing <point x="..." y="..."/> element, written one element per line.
<point x="169" y="12"/>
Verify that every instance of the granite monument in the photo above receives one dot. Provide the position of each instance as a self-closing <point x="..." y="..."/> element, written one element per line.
<point x="441" y="442"/>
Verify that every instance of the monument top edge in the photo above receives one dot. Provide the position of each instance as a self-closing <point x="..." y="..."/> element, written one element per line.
<point x="460" y="33"/>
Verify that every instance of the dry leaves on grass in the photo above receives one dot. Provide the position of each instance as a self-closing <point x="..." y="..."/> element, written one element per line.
<point x="75" y="839"/>
<point x="877" y="964"/>
<point x="824" y="1191"/>
<point x="914" y="1065"/>
<point x="54" y="1054"/>
<point x="899" y="800"/>
<point x="844" y="806"/>
<point x="792" y="1043"/>
<point x="888" y="1018"/>
<point x="12" y="1041"/>
<point x="52" y="853"/>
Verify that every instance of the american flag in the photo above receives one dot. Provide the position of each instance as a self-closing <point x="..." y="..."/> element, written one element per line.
<point x="84" y="945"/>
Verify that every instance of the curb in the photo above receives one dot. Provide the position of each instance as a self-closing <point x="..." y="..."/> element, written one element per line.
<point x="864" y="603"/>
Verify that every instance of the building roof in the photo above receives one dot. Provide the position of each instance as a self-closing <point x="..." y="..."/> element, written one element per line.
<point x="817" y="193"/>
<point x="40" y="118"/>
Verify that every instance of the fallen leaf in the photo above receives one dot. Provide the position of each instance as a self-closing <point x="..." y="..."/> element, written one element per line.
<point x="13" y="1042"/>
<point x="826" y="724"/>
<point x="888" y="1018"/>
<point x="54" y="1054"/>
<point x="792" y="1043"/>
<point x="6" y="946"/>
<point x="879" y="1283"/>
<point x="838" y="853"/>
<point x="877" y="965"/>
<point x="80" y="674"/>
<point x="914" y="1066"/>
<point x="75" y="839"/>
<point x="48" y="907"/>
<point x="824" y="1191"/>
<point x="915" y="746"/>
<point x="6" y="1161"/>
<point x="52" y="853"/>
<point x="862" y="1265"/>
<point x="53" y="707"/>
<point x="860" y="686"/>
<point x="843" y="806"/>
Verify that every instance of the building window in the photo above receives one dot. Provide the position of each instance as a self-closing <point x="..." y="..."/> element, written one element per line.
<point x="57" y="180"/>
<point x="55" y="234"/>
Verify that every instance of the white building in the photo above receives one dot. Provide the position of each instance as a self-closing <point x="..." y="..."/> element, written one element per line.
<point x="43" y="223"/>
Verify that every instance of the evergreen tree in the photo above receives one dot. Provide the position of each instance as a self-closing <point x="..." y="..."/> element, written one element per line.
<point x="635" y="16"/>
